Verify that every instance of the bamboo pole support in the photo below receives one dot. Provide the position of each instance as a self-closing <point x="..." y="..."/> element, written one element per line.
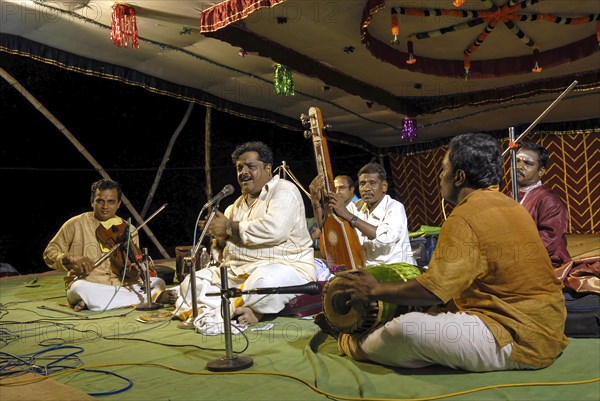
<point x="166" y="158"/>
<point x="207" y="149"/>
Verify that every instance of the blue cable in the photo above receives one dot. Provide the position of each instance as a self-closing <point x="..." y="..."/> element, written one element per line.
<point x="128" y="380"/>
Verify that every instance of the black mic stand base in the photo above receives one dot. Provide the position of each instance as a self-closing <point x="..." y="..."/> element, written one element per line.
<point x="236" y="362"/>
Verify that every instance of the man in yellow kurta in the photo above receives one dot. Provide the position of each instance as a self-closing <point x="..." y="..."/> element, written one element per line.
<point x="76" y="247"/>
<point x="504" y="308"/>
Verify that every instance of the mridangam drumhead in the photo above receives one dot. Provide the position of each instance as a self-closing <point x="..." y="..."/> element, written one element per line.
<point x="358" y="317"/>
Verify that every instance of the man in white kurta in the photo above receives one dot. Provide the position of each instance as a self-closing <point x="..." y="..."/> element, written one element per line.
<point x="264" y="243"/>
<point x="379" y="221"/>
<point x="391" y="243"/>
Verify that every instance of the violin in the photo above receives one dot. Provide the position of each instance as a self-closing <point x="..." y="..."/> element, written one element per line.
<point x="339" y="242"/>
<point x="123" y="261"/>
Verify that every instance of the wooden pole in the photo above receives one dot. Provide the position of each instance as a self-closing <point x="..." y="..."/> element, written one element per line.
<point x="207" y="147"/>
<point x="40" y="107"/>
<point x="165" y="159"/>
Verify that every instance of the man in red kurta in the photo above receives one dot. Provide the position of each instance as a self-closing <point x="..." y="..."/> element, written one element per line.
<point x="543" y="204"/>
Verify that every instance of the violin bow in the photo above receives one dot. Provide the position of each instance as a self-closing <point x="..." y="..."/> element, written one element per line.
<point x="114" y="248"/>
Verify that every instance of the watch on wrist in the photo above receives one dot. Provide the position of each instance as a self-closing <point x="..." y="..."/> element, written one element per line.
<point x="353" y="221"/>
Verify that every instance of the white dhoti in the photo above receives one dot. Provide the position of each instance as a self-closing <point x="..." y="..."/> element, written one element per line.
<point x="457" y="340"/>
<point x="99" y="297"/>
<point x="208" y="281"/>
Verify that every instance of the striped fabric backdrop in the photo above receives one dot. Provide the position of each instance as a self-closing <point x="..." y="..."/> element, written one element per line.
<point x="573" y="172"/>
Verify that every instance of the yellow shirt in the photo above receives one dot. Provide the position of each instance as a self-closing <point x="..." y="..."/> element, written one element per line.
<point x="491" y="262"/>
<point x="77" y="237"/>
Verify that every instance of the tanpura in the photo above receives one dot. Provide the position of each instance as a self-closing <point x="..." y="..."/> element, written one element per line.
<point x="339" y="242"/>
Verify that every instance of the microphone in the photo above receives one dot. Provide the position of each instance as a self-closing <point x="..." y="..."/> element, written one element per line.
<point x="312" y="288"/>
<point x="228" y="190"/>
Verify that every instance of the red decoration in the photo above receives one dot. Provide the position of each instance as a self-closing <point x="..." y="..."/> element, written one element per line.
<point x="123" y="30"/>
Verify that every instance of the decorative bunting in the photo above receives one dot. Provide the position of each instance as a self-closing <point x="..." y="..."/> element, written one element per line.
<point x="509" y="14"/>
<point x="283" y="83"/>
<point x="124" y="26"/>
<point x="123" y="30"/>
<point x="409" y="129"/>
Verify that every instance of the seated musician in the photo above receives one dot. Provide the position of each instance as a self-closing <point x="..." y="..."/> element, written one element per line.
<point x="345" y="187"/>
<point x="543" y="204"/>
<point x="263" y="240"/>
<point x="83" y="239"/>
<point x="499" y="308"/>
<point x="379" y="220"/>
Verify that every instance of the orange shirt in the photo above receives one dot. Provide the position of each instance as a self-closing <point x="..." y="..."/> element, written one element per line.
<point x="491" y="262"/>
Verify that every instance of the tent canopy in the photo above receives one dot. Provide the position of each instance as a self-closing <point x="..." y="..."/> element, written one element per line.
<point x="341" y="58"/>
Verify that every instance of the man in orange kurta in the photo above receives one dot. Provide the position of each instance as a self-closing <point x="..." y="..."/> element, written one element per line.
<point x="502" y="304"/>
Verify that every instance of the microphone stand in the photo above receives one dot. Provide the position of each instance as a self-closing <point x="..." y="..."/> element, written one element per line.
<point x="513" y="146"/>
<point x="190" y="263"/>
<point x="513" y="162"/>
<point x="229" y="362"/>
<point x="148" y="305"/>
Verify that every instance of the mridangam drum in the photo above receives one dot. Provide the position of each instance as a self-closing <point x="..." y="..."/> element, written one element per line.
<point x="357" y="317"/>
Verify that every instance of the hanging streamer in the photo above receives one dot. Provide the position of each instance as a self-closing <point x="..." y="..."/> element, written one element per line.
<point x="409" y="129"/>
<point x="123" y="30"/>
<point x="283" y="82"/>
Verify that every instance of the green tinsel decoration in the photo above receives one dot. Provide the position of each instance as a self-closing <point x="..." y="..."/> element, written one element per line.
<point x="283" y="83"/>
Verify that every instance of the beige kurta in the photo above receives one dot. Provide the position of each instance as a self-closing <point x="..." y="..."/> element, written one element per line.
<point x="77" y="237"/>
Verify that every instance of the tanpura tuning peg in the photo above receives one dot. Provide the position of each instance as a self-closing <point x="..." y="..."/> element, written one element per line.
<point x="307" y="134"/>
<point x="305" y="119"/>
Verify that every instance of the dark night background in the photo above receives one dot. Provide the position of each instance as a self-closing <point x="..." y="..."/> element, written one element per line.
<point x="46" y="180"/>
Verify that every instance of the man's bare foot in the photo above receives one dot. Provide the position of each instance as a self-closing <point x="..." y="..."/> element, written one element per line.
<point x="79" y="306"/>
<point x="167" y="297"/>
<point x="245" y="315"/>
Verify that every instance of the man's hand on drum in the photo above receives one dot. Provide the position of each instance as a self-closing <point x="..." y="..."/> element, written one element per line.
<point x="358" y="284"/>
